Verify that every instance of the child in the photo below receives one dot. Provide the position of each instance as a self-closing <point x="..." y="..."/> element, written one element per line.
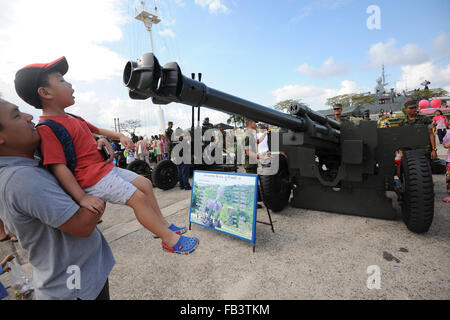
<point x="164" y="148"/>
<point x="446" y="142"/>
<point x="43" y="86"/>
<point x="440" y="122"/>
<point x="3" y="292"/>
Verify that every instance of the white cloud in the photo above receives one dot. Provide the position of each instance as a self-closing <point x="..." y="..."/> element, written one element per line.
<point x="328" y="69"/>
<point x="41" y="31"/>
<point x="168" y="22"/>
<point x="180" y="3"/>
<point x="167" y="33"/>
<point x="388" y="54"/>
<point x="319" y="5"/>
<point x="413" y="76"/>
<point x="441" y="44"/>
<point x="315" y="96"/>
<point x="214" y="6"/>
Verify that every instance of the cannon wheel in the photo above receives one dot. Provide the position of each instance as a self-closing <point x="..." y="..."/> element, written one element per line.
<point x="418" y="193"/>
<point x="141" y="168"/>
<point x="276" y="189"/>
<point x="165" y="175"/>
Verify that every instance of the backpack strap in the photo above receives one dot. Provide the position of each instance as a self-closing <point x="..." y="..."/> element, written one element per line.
<point x="66" y="142"/>
<point x="76" y="117"/>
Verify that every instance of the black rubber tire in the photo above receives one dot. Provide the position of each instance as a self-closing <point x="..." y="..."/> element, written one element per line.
<point x="438" y="166"/>
<point x="141" y="168"/>
<point x="418" y="192"/>
<point x="276" y="189"/>
<point x="165" y="175"/>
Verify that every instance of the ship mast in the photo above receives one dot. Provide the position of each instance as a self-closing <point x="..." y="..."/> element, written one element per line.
<point x="384" y="77"/>
<point x="150" y="19"/>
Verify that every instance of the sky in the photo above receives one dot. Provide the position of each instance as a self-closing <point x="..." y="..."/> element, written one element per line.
<point x="263" y="51"/>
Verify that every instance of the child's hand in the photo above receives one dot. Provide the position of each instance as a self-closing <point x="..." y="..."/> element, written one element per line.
<point x="7" y="259"/>
<point x="126" y="142"/>
<point x="103" y="142"/>
<point x="93" y="204"/>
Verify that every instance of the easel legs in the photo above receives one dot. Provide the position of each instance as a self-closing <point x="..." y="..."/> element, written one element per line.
<point x="268" y="213"/>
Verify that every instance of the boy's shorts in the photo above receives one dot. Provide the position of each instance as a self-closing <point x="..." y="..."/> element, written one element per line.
<point x="115" y="187"/>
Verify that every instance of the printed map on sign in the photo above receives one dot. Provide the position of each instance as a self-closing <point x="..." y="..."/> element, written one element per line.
<point x="225" y="202"/>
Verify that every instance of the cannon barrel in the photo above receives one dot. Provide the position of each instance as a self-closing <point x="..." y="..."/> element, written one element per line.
<point x="145" y="79"/>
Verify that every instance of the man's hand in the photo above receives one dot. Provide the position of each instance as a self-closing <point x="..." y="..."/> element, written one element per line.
<point x="126" y="142"/>
<point x="93" y="204"/>
<point x="3" y="263"/>
<point x="433" y="154"/>
<point x="103" y="142"/>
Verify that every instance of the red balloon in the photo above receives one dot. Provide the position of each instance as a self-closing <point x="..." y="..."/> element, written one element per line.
<point x="436" y="103"/>
<point x="424" y="104"/>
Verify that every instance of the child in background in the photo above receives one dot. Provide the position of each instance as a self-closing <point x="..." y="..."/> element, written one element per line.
<point x="440" y="122"/>
<point x="164" y="148"/>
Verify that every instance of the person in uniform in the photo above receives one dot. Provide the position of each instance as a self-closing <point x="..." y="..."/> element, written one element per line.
<point x="413" y="118"/>
<point x="168" y="133"/>
<point x="337" y="110"/>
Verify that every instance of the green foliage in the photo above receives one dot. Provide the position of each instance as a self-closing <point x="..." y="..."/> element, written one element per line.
<point x="429" y="93"/>
<point x="351" y="100"/>
<point x="283" y="105"/>
<point x="236" y="120"/>
<point x="130" y="126"/>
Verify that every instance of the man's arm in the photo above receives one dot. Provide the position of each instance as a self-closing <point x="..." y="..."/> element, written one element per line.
<point x="82" y="223"/>
<point x="70" y="184"/>
<point x="433" y="144"/>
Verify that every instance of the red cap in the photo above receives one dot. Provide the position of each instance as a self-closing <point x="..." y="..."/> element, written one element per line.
<point x="28" y="78"/>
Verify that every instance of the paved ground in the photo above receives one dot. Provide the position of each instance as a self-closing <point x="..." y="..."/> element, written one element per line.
<point x="311" y="255"/>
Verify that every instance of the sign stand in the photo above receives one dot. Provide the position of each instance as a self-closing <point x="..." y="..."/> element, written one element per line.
<point x="260" y="191"/>
<point x="260" y="187"/>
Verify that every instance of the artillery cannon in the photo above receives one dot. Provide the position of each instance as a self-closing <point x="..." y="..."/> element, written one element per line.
<point x="328" y="166"/>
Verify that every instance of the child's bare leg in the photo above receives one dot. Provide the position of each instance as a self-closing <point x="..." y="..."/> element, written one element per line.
<point x="149" y="219"/>
<point x="145" y="185"/>
<point x="3" y="233"/>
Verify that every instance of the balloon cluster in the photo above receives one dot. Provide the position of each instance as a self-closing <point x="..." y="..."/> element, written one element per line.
<point x="435" y="103"/>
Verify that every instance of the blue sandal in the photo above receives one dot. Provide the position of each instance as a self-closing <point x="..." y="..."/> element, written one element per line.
<point x="175" y="229"/>
<point x="184" y="246"/>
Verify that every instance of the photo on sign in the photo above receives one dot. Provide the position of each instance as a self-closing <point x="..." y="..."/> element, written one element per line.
<point x="225" y="202"/>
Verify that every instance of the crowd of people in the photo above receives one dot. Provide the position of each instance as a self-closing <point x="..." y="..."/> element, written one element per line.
<point x="153" y="150"/>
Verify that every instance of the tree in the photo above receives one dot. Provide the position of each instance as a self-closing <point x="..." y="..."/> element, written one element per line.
<point x="351" y="100"/>
<point x="284" y="105"/>
<point x="429" y="93"/>
<point x="236" y="120"/>
<point x="130" y="126"/>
